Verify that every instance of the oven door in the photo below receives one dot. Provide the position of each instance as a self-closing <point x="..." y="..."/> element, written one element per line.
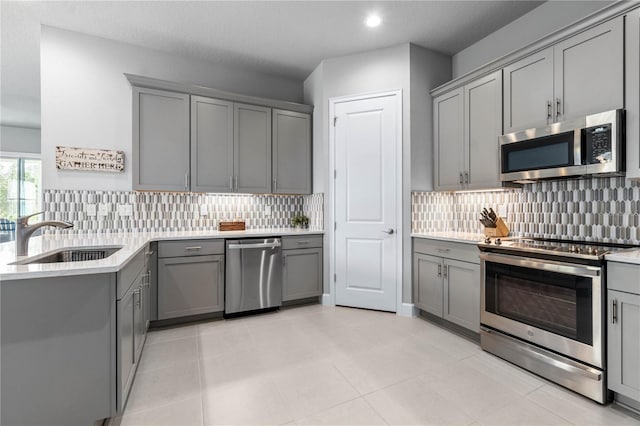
<point x="552" y="304"/>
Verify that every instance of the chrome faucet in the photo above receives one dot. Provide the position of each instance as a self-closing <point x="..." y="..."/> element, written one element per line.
<point x="24" y="231"/>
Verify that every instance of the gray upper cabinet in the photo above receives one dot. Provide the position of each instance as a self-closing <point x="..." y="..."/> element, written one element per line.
<point x="528" y="91"/>
<point x="252" y="153"/>
<point x="589" y="71"/>
<point x="160" y="157"/>
<point x="632" y="91"/>
<point x="291" y="152"/>
<point x="467" y="123"/>
<point x="581" y="75"/>
<point x="482" y="127"/>
<point x="448" y="113"/>
<point x="211" y="145"/>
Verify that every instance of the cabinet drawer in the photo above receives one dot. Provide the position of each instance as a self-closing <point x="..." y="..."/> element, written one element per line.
<point x="623" y="277"/>
<point x="459" y="251"/>
<point x="190" y="248"/>
<point x="298" y="242"/>
<point x="127" y="275"/>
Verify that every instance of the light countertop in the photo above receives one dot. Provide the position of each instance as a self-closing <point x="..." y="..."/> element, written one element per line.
<point x="453" y="236"/>
<point x="131" y="242"/>
<point x="630" y="256"/>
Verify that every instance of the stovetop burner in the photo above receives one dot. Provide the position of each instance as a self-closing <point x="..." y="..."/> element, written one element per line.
<point x="569" y="248"/>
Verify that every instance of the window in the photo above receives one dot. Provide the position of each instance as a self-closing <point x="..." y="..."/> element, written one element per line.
<point x="20" y="190"/>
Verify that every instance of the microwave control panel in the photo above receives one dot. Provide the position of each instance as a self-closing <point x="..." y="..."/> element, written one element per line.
<point x="598" y="143"/>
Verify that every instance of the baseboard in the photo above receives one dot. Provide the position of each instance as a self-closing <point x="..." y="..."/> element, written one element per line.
<point x="326" y="300"/>
<point x="407" y="310"/>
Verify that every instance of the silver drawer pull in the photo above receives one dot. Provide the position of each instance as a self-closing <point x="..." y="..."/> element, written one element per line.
<point x="303" y="243"/>
<point x="441" y="250"/>
<point x="193" y="248"/>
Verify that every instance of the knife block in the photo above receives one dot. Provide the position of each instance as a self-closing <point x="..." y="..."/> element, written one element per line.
<point x="501" y="229"/>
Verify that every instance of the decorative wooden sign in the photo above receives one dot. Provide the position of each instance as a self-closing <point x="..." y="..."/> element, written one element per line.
<point x="97" y="160"/>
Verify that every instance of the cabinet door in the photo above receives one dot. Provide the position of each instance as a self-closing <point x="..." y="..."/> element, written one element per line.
<point x="528" y="92"/>
<point x="139" y="329"/>
<point x="589" y="71"/>
<point x="160" y="159"/>
<point x="462" y="293"/>
<point x="211" y="145"/>
<point x="125" y="348"/>
<point x="291" y="152"/>
<point x="252" y="149"/>
<point x="624" y="344"/>
<point x="302" y="273"/>
<point x="632" y="92"/>
<point x="190" y="286"/>
<point x="427" y="283"/>
<point x="448" y="122"/>
<point x="483" y="126"/>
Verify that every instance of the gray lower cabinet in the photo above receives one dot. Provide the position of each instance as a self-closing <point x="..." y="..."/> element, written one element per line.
<point x="446" y="281"/>
<point x="302" y="273"/>
<point x="302" y="267"/>
<point x="623" y="344"/>
<point x="190" y="278"/>
<point x="132" y="313"/>
<point x="291" y="152"/>
<point x="160" y="155"/>
<point x="57" y="350"/>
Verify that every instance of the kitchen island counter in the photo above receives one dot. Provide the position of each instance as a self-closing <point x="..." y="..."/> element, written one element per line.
<point x="131" y="243"/>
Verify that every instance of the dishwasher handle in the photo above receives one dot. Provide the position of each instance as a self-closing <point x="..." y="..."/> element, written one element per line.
<point x="275" y="244"/>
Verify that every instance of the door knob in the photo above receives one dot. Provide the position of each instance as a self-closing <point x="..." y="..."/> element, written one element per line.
<point x="388" y="231"/>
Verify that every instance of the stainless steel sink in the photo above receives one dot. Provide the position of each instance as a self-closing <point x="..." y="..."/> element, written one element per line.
<point x="71" y="255"/>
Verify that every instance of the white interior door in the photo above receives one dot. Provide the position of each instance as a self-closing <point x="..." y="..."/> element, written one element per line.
<point x="366" y="137"/>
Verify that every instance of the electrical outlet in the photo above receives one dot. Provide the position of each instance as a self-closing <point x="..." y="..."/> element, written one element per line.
<point x="91" y="209"/>
<point x="103" y="209"/>
<point x="267" y="211"/>
<point x="125" y="209"/>
<point x="204" y="211"/>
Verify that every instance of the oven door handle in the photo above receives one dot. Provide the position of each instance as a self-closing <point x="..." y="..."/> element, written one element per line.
<point x="545" y="265"/>
<point x="586" y="372"/>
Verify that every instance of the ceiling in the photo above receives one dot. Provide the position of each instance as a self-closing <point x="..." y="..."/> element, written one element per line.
<point x="285" y="38"/>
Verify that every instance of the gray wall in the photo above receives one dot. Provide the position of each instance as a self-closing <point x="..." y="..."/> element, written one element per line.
<point x="541" y="21"/>
<point x="86" y="100"/>
<point x="377" y="71"/>
<point x="19" y="139"/>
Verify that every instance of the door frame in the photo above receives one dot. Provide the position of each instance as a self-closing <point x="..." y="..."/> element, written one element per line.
<point x="333" y="101"/>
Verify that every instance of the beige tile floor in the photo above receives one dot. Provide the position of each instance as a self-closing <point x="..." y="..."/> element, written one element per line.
<point x="317" y="365"/>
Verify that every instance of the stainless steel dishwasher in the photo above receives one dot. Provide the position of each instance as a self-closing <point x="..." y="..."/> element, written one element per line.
<point x="253" y="275"/>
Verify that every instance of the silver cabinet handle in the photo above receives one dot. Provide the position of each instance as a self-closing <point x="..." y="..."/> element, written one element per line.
<point x="275" y="185"/>
<point x="614" y="311"/>
<point x="558" y="113"/>
<point x="548" y="111"/>
<point x="443" y="250"/>
<point x="231" y="183"/>
<point x="389" y="231"/>
<point x="193" y="248"/>
<point x="461" y="179"/>
<point x="186" y="180"/>
<point x="149" y="253"/>
<point x="466" y="178"/>
<point x="139" y="301"/>
<point x="445" y="270"/>
<point x="440" y="270"/>
<point x="303" y="243"/>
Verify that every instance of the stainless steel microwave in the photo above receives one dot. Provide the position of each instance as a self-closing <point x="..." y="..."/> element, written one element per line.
<point x="593" y="144"/>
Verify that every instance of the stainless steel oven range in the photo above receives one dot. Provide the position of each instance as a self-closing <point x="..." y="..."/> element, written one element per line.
<point x="543" y="308"/>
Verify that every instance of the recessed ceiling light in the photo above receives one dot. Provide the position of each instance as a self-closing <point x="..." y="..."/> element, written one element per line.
<point x="373" y="21"/>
